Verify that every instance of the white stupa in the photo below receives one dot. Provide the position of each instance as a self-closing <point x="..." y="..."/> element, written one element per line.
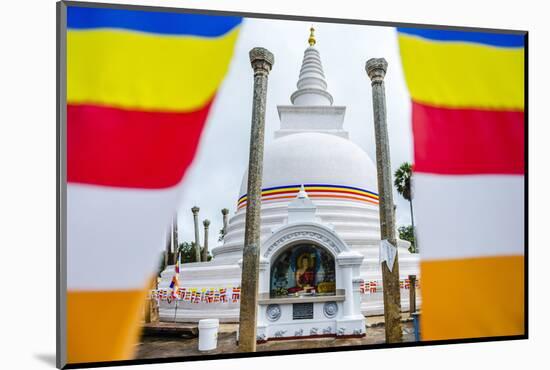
<point x="312" y="149"/>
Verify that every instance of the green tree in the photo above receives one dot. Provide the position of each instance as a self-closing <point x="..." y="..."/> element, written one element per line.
<point x="407" y="233"/>
<point x="402" y="182"/>
<point x="221" y="235"/>
<point x="187" y="252"/>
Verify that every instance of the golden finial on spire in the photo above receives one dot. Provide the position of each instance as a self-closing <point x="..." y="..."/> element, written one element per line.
<point x="311" y="39"/>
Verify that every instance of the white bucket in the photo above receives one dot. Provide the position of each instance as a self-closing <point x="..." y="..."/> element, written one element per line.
<point x="208" y="334"/>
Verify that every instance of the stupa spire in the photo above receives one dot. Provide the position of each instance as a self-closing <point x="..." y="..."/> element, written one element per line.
<point x="312" y="86"/>
<point x="311" y="39"/>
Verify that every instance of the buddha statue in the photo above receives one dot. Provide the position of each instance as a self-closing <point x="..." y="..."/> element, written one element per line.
<point x="305" y="273"/>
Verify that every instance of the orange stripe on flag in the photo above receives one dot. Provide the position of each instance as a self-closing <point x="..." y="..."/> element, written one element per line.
<point x="103" y="326"/>
<point x="472" y="298"/>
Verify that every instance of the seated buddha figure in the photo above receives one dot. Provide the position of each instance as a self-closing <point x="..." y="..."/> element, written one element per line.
<point x="305" y="275"/>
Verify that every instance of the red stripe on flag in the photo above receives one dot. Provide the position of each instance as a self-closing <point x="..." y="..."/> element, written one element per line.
<point x="467" y="141"/>
<point x="124" y="148"/>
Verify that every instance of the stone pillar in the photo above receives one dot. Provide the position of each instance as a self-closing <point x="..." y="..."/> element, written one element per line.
<point x="151" y="311"/>
<point x="225" y="212"/>
<point x="262" y="61"/>
<point x="347" y="277"/>
<point x="412" y="294"/>
<point x="195" y="211"/>
<point x="264" y="270"/>
<point x="168" y="246"/>
<point x="175" y="244"/>
<point x="206" y="224"/>
<point x="348" y="264"/>
<point x="376" y="70"/>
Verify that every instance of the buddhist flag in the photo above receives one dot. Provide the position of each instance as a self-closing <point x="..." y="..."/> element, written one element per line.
<point x="467" y="92"/>
<point x="175" y="283"/>
<point x="139" y="88"/>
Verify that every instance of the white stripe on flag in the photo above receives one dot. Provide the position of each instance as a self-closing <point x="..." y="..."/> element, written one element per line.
<point x="115" y="235"/>
<point x="468" y="216"/>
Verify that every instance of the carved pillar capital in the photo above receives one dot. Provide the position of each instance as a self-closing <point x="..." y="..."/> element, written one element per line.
<point x="376" y="69"/>
<point x="261" y="60"/>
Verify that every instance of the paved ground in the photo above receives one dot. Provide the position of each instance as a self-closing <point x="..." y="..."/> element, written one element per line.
<point x="176" y="340"/>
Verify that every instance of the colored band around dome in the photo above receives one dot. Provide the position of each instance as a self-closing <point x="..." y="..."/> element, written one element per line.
<point x="315" y="191"/>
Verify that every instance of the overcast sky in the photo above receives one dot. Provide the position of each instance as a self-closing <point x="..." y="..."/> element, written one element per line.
<point x="214" y="179"/>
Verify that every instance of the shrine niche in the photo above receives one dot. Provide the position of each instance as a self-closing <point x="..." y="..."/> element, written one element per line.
<point x="303" y="270"/>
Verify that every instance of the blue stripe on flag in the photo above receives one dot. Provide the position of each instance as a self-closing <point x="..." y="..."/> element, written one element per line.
<point x="148" y="21"/>
<point x="493" y="39"/>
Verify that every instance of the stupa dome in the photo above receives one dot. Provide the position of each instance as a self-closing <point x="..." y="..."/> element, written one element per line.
<point x="316" y="158"/>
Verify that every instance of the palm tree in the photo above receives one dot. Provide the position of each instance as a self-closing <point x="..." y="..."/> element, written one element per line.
<point x="402" y="183"/>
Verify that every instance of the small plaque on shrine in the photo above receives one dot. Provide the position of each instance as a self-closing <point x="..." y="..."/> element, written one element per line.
<point x="302" y="311"/>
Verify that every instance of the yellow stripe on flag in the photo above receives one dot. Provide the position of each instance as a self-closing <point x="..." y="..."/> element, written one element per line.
<point x="463" y="75"/>
<point x="472" y="298"/>
<point x="103" y="326"/>
<point x="150" y="72"/>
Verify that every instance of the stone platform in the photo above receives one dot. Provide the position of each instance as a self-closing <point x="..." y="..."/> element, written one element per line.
<point x="172" y="343"/>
